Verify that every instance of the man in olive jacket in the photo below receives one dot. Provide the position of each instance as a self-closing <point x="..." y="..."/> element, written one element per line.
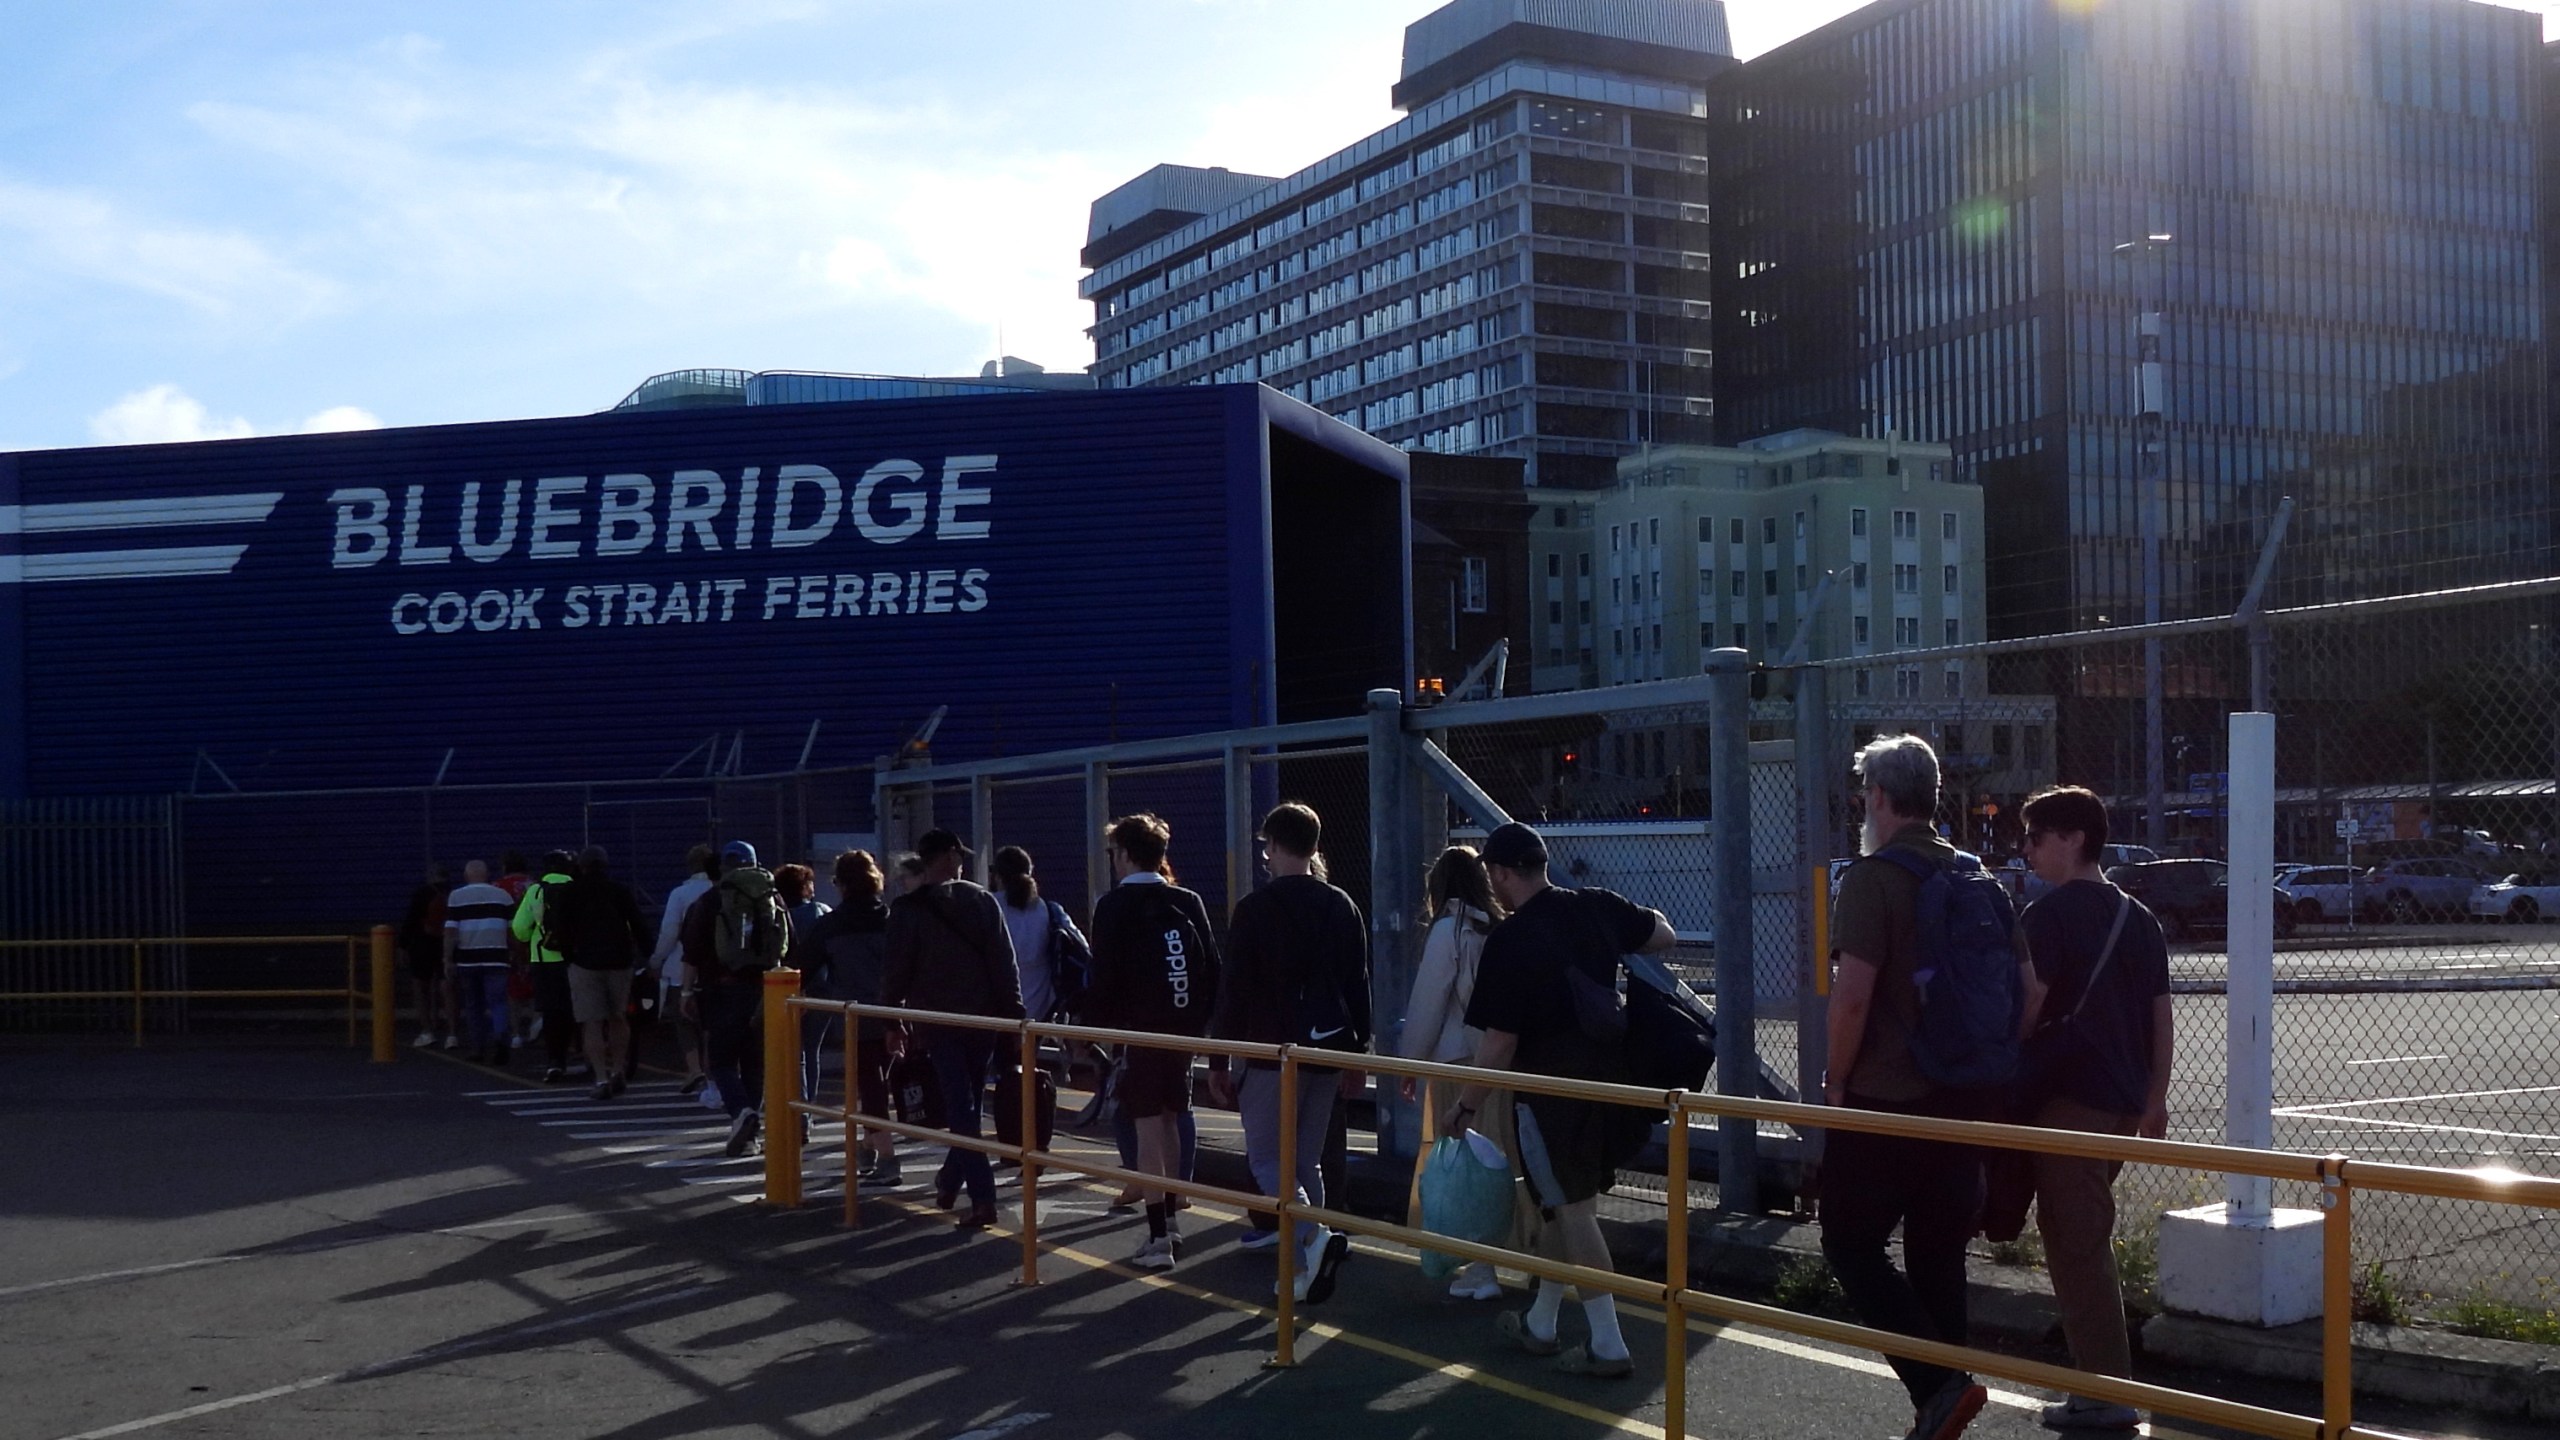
<point x="949" y="951"/>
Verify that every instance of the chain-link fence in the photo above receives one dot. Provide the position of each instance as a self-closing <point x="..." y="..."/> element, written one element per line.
<point x="2417" y="841"/>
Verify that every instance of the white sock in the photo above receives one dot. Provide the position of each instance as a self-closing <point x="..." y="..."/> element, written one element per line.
<point x="1602" y="1313"/>
<point x="1543" y="1310"/>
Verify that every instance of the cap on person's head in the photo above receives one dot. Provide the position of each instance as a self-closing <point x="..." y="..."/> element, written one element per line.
<point x="737" y="852"/>
<point x="932" y="845"/>
<point x="1515" y="847"/>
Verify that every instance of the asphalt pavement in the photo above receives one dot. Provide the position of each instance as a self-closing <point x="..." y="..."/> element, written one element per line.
<point x="289" y="1243"/>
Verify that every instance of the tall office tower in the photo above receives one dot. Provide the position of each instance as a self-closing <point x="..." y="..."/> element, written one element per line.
<point x="1516" y="268"/>
<point x="1948" y="218"/>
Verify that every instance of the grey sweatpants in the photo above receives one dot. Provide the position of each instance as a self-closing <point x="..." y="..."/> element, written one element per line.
<point x="1259" y="1100"/>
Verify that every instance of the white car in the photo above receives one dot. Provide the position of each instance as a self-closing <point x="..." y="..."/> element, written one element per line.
<point x="2325" y="892"/>
<point x="2520" y="898"/>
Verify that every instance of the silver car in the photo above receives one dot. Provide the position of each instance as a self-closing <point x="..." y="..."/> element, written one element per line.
<point x="2326" y="892"/>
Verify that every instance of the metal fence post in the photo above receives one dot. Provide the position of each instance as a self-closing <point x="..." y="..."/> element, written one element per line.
<point x="1241" y="821"/>
<point x="1737" y="1040"/>
<point x="982" y="825"/>
<point x="1816" y="837"/>
<point x="1393" y="860"/>
<point x="1097" y="818"/>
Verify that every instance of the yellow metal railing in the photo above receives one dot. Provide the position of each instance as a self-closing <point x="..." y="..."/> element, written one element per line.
<point x="375" y="963"/>
<point x="2337" y="1176"/>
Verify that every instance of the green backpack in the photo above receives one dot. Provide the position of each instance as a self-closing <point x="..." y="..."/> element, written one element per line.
<point x="750" y="931"/>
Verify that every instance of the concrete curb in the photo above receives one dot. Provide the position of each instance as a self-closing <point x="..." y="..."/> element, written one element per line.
<point x="1745" y="1256"/>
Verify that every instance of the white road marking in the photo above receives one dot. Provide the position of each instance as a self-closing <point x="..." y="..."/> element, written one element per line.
<point x="379" y="1367"/>
<point x="104" y="1275"/>
<point x="1005" y="1426"/>
<point x="2417" y="1099"/>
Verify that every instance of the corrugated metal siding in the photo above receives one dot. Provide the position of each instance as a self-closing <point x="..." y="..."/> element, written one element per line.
<point x="1108" y="555"/>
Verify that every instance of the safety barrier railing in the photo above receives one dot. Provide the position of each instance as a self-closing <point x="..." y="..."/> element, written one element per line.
<point x="2337" y="1177"/>
<point x="375" y="995"/>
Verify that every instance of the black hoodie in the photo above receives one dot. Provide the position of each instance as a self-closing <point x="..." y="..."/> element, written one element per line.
<point x="1155" y="964"/>
<point x="1293" y="939"/>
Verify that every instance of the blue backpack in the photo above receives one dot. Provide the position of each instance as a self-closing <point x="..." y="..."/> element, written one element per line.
<point x="1967" y="973"/>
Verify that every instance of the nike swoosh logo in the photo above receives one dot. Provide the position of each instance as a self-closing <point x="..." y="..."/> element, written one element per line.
<point x="1329" y="1034"/>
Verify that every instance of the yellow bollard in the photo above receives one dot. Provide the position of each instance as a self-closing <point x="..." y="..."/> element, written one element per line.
<point x="2337" y="1300"/>
<point x="385" y="1048"/>
<point x="1675" y="1272"/>
<point x="781" y="1087"/>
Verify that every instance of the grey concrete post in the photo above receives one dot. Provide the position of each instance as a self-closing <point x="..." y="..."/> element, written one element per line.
<point x="1737" y="1040"/>
<point x="1393" y="876"/>
<point x="1097" y="817"/>
<point x="1817" y="766"/>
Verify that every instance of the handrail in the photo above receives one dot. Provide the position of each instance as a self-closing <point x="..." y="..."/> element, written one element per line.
<point x="377" y="997"/>
<point x="2337" y="1176"/>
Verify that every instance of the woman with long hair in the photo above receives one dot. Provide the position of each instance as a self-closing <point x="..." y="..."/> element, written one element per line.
<point x="1435" y="1028"/>
<point x="842" y="954"/>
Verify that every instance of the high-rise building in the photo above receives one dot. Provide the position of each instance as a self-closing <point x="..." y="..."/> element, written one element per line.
<point x="1516" y="268"/>
<point x="1943" y="219"/>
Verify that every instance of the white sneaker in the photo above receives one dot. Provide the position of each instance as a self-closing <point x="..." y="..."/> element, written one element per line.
<point x="1155" y="1253"/>
<point x="1259" y="1240"/>
<point x="1475" y="1282"/>
<point x="453" y="1042"/>
<point x="426" y="1040"/>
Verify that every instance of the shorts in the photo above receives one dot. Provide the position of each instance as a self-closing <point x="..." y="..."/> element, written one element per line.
<point x="1153" y="1082"/>
<point x="598" y="995"/>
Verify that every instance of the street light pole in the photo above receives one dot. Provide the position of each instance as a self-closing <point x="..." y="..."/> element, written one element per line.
<point x="2150" y="394"/>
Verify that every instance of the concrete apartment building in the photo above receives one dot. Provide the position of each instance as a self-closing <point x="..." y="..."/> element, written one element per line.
<point x="1517" y="268"/>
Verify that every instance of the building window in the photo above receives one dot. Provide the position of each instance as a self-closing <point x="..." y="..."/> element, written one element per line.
<point x="1906" y="579"/>
<point x="1653" y="531"/>
<point x="1613" y="539"/>
<point x="1858" y="630"/>
<point x="1617" y="590"/>
<point x="1706" y="584"/>
<point x="1741" y="637"/>
<point x="1865" y="687"/>
<point x="1657" y="639"/>
<point x="1906" y="632"/>
<point x="1768" y="529"/>
<point x="1706" y="637"/>
<point x="1768" y="582"/>
<point x="1734" y="531"/>
<point x="1858" y="575"/>
<point x="1858" y="523"/>
<point x="1906" y="524"/>
<point x="1555" y="567"/>
<point x="1955" y="632"/>
<point x="1706" y="530"/>
<point x="1952" y="584"/>
<point x="1799" y="524"/>
<point x="1906" y="682"/>
<point x="1740" y="579"/>
<point x="1947" y="526"/>
<point x="1955" y="682"/>
<point x="1472" y="585"/>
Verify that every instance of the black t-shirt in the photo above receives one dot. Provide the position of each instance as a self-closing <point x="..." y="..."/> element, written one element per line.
<point x="2066" y="933"/>
<point x="1520" y="984"/>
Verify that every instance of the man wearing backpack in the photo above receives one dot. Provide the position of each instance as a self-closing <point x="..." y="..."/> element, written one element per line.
<point x="1926" y="1014"/>
<point x="1155" y="968"/>
<point x="1297" y="973"/>
<point x="1546" y="983"/>
<point x="733" y="934"/>
<point x="2097" y="1061"/>
<point x="549" y="965"/>
<point x="949" y="951"/>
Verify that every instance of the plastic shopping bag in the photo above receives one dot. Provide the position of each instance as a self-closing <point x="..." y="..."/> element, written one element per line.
<point x="1466" y="1194"/>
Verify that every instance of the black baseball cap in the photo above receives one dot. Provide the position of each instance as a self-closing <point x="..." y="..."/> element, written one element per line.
<point x="932" y="845"/>
<point x="1515" y="847"/>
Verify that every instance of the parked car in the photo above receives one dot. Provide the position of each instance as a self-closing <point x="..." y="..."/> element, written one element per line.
<point x="2111" y="856"/>
<point x="2521" y="898"/>
<point x="2433" y="886"/>
<point x="2325" y="892"/>
<point x="2191" y="897"/>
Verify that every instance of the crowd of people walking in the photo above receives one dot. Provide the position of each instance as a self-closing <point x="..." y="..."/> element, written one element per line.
<point x="1947" y="1003"/>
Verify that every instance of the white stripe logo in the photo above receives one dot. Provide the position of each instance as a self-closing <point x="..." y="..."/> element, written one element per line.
<point x="80" y="516"/>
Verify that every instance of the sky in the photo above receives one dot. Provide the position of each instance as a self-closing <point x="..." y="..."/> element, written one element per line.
<point x="234" y="217"/>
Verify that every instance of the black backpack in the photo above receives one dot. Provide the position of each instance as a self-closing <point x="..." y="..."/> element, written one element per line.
<point x="1070" y="962"/>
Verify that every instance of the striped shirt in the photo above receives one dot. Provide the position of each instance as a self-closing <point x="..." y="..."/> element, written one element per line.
<point x="476" y="917"/>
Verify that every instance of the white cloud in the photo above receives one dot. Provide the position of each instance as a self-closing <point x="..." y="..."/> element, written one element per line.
<point x="341" y="417"/>
<point x="159" y="414"/>
<point x="217" y="272"/>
